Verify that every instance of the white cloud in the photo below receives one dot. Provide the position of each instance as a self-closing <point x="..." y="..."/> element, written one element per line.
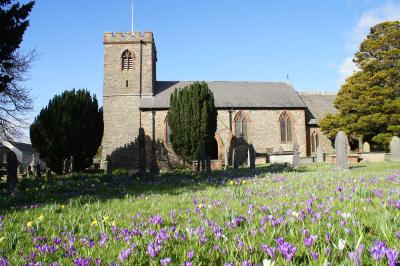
<point x="390" y="10"/>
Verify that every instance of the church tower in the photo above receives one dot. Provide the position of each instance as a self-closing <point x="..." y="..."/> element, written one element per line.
<point x="129" y="74"/>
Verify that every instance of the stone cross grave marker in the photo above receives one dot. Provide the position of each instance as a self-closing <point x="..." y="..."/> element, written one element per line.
<point x="395" y="149"/>
<point x="296" y="156"/>
<point x="341" y="148"/>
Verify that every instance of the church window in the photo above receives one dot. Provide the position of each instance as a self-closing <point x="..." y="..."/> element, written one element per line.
<point x="127" y="60"/>
<point x="127" y="83"/>
<point x="314" y="142"/>
<point x="286" y="128"/>
<point x="242" y="126"/>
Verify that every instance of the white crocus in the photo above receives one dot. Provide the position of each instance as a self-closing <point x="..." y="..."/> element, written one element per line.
<point x="341" y="244"/>
<point x="268" y="262"/>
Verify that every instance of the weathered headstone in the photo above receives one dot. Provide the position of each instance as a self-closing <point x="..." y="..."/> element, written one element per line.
<point x="107" y="168"/>
<point x="12" y="166"/>
<point x="366" y="147"/>
<point x="142" y="151"/>
<point x="201" y="159"/>
<point x="28" y="170"/>
<point x="208" y="166"/>
<point x="234" y="162"/>
<point x="341" y="147"/>
<point x="226" y="158"/>
<point x="395" y="149"/>
<point x="66" y="166"/>
<point x="38" y="170"/>
<point x="21" y="169"/>
<point x="71" y="164"/>
<point x="252" y="159"/>
<point x="320" y="155"/>
<point x="33" y="164"/>
<point x="296" y="156"/>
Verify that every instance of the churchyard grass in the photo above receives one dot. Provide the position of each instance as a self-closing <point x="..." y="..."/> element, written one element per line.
<point x="314" y="215"/>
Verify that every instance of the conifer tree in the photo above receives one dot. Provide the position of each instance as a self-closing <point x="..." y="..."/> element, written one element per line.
<point x="369" y="101"/>
<point x="70" y="125"/>
<point x="193" y="120"/>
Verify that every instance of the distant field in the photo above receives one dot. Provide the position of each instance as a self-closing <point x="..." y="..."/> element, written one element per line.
<point x="312" y="216"/>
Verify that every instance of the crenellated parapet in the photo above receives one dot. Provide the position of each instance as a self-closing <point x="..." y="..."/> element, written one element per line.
<point x="128" y="37"/>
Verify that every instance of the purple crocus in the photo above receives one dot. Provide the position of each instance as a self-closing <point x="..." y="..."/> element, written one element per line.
<point x="3" y="261"/>
<point x="165" y="261"/>
<point x="356" y="256"/>
<point x="81" y="261"/>
<point x="391" y="255"/>
<point x="156" y="219"/>
<point x="314" y="255"/>
<point x="378" y="250"/>
<point x="190" y="254"/>
<point x="270" y="250"/>
<point x="286" y="249"/>
<point x="125" y="254"/>
<point x="309" y="241"/>
<point x="153" y="249"/>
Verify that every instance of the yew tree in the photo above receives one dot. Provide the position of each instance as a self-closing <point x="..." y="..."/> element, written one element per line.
<point x="70" y="125"/>
<point x="369" y="101"/>
<point x="193" y="120"/>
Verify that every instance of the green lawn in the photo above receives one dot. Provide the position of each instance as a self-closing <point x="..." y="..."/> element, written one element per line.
<point x="324" y="216"/>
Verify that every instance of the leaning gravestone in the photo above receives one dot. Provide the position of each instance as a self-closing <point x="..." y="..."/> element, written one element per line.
<point x="234" y="163"/>
<point x="320" y="155"/>
<point x="395" y="149"/>
<point x="366" y="147"/>
<point x="28" y="170"/>
<point x="107" y="168"/>
<point x="66" y="167"/>
<point x="341" y="147"/>
<point x="12" y="166"/>
<point x="296" y="156"/>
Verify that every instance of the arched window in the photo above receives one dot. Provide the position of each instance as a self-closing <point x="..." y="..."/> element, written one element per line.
<point x="168" y="132"/>
<point x="286" y="127"/>
<point x="314" y="142"/>
<point x="127" y="60"/>
<point x="242" y="126"/>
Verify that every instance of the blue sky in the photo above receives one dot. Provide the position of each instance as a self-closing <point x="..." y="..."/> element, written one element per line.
<point x="256" y="40"/>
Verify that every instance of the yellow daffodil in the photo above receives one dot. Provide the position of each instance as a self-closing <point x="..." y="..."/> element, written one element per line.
<point x="105" y="218"/>
<point x="94" y="223"/>
<point x="200" y="206"/>
<point x="62" y="206"/>
<point x="231" y="183"/>
<point x="1" y="239"/>
<point x="113" y="223"/>
<point x="29" y="224"/>
<point x="41" y="217"/>
<point x="244" y="182"/>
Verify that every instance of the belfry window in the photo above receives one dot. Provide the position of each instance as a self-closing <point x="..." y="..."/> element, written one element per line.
<point x="314" y="142"/>
<point x="127" y="60"/>
<point x="242" y="126"/>
<point x="286" y="127"/>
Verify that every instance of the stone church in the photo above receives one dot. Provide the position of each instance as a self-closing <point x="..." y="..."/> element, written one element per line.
<point x="272" y="116"/>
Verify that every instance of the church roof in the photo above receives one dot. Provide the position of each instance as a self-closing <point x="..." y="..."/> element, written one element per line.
<point x="229" y="94"/>
<point x="318" y="104"/>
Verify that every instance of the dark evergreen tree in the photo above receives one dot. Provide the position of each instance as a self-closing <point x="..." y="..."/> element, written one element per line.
<point x="193" y="120"/>
<point x="70" y="125"/>
<point x="15" y="100"/>
<point x="369" y="100"/>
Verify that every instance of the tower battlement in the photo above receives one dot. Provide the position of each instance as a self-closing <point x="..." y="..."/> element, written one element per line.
<point x="128" y="37"/>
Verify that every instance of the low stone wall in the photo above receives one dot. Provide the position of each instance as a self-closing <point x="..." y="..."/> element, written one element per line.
<point x="352" y="158"/>
<point x="215" y="165"/>
<point x="374" y="156"/>
<point x="281" y="158"/>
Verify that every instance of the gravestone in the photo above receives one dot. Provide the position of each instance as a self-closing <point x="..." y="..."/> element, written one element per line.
<point x="234" y="162"/>
<point x="142" y="151"/>
<point x="201" y="160"/>
<point x="395" y="149"/>
<point x="226" y="158"/>
<point x="38" y="173"/>
<point x="66" y="166"/>
<point x="48" y="173"/>
<point x="107" y="168"/>
<point x="28" y="170"/>
<point x="21" y="169"/>
<point x="208" y="166"/>
<point x="12" y="166"/>
<point x="341" y="148"/>
<point x="71" y="164"/>
<point x="320" y="155"/>
<point x="296" y="155"/>
<point x="252" y="159"/>
<point x="366" y="147"/>
<point x="33" y="164"/>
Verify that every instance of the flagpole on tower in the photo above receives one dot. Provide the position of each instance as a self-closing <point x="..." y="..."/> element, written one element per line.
<point x="133" y="9"/>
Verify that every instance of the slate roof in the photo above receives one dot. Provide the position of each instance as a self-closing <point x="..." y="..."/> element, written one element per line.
<point x="24" y="147"/>
<point x="318" y="104"/>
<point x="232" y="95"/>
